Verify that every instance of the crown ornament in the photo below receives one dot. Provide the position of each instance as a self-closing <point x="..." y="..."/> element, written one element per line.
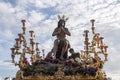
<point x="62" y="18"/>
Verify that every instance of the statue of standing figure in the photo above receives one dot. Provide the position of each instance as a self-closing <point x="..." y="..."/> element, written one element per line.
<point x="61" y="44"/>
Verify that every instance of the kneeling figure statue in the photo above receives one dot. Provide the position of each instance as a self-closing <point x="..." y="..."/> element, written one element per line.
<point x="61" y="44"/>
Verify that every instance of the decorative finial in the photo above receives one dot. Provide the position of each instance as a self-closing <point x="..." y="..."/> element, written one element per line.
<point x="86" y="33"/>
<point x="43" y="50"/>
<point x="101" y="40"/>
<point x="31" y="33"/>
<point x="86" y="42"/>
<point x="17" y="43"/>
<point x="13" y="54"/>
<point x="37" y="49"/>
<point x="20" y="37"/>
<point x="37" y="45"/>
<point x="23" y="28"/>
<point x="93" y="28"/>
<point x="23" y="22"/>
<point x="92" y="20"/>
<point x="105" y="47"/>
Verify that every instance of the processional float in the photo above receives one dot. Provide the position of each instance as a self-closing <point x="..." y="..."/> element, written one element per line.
<point x="39" y="68"/>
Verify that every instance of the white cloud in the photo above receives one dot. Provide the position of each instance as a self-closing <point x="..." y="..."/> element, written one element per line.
<point x="0" y="78"/>
<point x="5" y="64"/>
<point x="44" y="4"/>
<point x="20" y="13"/>
<point x="114" y="76"/>
<point x="7" y="33"/>
<point x="6" y="11"/>
<point x="6" y="8"/>
<point x="35" y="17"/>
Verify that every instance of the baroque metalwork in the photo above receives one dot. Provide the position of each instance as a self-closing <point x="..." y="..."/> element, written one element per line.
<point x="95" y="46"/>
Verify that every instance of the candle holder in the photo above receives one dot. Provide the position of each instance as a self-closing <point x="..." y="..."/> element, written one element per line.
<point x="106" y="55"/>
<point x="17" y="43"/>
<point x="32" y="46"/>
<point x="31" y="41"/>
<point x="21" y="48"/>
<point x="31" y="33"/>
<point x="101" y="40"/>
<point x="37" y="49"/>
<point x="105" y="48"/>
<point x="20" y="37"/>
<point x="13" y="54"/>
<point x="23" y="22"/>
<point x="86" y="42"/>
<point x="23" y="28"/>
<point x="43" y="50"/>
<point x="93" y="28"/>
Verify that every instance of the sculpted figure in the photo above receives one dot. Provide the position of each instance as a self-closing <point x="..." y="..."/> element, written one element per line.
<point x="61" y="44"/>
<point x="76" y="56"/>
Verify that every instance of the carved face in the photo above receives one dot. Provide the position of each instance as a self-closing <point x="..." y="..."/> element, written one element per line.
<point x="61" y="23"/>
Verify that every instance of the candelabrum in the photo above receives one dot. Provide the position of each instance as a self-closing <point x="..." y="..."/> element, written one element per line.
<point x="21" y="48"/>
<point x="96" y="47"/>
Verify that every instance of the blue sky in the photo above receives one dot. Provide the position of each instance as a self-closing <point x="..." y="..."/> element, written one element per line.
<point x="41" y="16"/>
